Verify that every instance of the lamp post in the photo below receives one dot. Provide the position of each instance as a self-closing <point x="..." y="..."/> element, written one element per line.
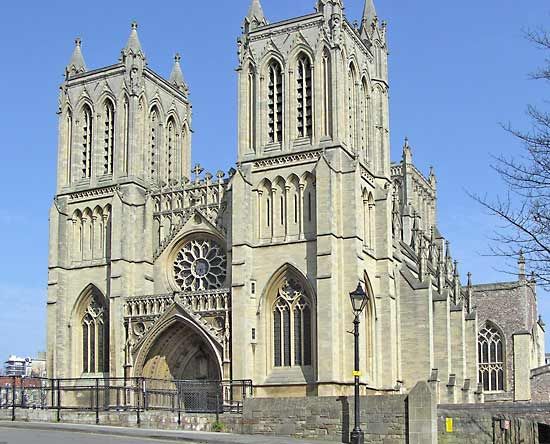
<point x="359" y="301"/>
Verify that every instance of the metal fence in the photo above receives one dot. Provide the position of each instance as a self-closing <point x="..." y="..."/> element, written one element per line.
<point x="123" y="394"/>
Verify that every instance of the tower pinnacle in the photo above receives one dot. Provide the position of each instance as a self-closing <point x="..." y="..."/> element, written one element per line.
<point x="133" y="46"/>
<point x="76" y="65"/>
<point x="176" y="77"/>
<point x="255" y="16"/>
<point x="369" y="17"/>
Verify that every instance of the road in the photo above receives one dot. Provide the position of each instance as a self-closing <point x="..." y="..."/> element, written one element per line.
<point x="45" y="433"/>
<point x="15" y="436"/>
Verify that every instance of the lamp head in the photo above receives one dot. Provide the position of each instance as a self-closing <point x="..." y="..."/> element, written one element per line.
<point x="359" y="299"/>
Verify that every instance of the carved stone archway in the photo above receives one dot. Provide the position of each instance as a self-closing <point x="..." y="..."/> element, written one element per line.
<point x="178" y="352"/>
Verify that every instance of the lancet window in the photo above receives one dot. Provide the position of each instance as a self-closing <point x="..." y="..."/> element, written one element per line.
<point x="491" y="359"/>
<point x="154" y="130"/>
<point x="275" y="103"/>
<point x="326" y="94"/>
<point x="69" y="143"/>
<point x="251" y="107"/>
<point x="352" y="107"/>
<point x="87" y="141"/>
<point x="304" y="97"/>
<point x="292" y="327"/>
<point x="109" y="137"/>
<point x="171" y="150"/>
<point x="95" y="337"/>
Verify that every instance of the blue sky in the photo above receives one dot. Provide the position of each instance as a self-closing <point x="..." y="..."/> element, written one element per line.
<point x="457" y="69"/>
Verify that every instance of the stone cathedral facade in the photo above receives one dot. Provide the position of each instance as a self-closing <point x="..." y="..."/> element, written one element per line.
<point x="161" y="270"/>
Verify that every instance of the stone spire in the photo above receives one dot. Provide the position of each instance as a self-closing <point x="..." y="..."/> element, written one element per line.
<point x="133" y="46"/>
<point x="255" y="16"/>
<point x="369" y="18"/>
<point x="76" y="65"/>
<point x="176" y="77"/>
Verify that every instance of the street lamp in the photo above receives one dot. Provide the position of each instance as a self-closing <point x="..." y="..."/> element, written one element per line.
<point x="359" y="301"/>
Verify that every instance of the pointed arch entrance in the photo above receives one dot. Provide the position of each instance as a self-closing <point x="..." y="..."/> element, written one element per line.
<point x="179" y="350"/>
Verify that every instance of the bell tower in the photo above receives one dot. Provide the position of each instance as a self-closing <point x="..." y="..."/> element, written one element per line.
<point x="124" y="131"/>
<point x="312" y="181"/>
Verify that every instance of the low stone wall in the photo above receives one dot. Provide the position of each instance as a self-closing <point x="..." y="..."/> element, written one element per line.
<point x="152" y="420"/>
<point x="384" y="418"/>
<point x="502" y="423"/>
<point x="540" y="384"/>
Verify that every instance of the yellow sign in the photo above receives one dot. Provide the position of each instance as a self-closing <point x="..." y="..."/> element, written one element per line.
<point x="449" y="425"/>
<point x="356" y="373"/>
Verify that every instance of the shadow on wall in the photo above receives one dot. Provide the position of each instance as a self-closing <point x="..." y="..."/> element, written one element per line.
<point x="544" y="434"/>
<point x="345" y="418"/>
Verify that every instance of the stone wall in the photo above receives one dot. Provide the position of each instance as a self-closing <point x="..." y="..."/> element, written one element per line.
<point x="383" y="418"/>
<point x="540" y="384"/>
<point x="153" y="420"/>
<point x="499" y="423"/>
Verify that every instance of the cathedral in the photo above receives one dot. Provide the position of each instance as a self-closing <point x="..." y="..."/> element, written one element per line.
<point x="158" y="269"/>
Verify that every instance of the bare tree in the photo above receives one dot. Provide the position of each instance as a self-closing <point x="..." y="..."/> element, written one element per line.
<point x="525" y="209"/>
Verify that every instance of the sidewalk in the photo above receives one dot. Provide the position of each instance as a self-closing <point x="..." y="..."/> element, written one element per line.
<point x="176" y="436"/>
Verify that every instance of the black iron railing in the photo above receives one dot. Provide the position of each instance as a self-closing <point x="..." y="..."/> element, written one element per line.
<point x="123" y="394"/>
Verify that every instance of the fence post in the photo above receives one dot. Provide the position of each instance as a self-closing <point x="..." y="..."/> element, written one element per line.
<point x="218" y="403"/>
<point x="52" y="387"/>
<point x="58" y="401"/>
<point x="138" y="393"/>
<point x="179" y="403"/>
<point x="13" y="398"/>
<point x="97" y="400"/>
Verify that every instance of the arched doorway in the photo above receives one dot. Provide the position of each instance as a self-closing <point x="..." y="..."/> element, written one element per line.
<point x="180" y="367"/>
<point x="180" y="353"/>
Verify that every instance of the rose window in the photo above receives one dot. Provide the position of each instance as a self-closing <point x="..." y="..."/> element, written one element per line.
<point x="200" y="265"/>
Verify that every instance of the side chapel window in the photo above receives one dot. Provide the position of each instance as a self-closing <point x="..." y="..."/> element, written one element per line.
<point x="491" y="359"/>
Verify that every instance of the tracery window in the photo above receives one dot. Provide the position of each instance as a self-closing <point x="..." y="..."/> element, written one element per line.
<point x="109" y="137"/>
<point x="304" y="97"/>
<point x="95" y="337"/>
<point x="292" y="326"/>
<point x="491" y="359"/>
<point x="87" y="134"/>
<point x="275" y="103"/>
<point x="200" y="265"/>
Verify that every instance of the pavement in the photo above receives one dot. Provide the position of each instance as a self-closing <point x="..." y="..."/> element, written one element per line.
<point x="48" y="433"/>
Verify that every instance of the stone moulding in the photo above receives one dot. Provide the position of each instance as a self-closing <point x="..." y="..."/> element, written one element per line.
<point x="297" y="158"/>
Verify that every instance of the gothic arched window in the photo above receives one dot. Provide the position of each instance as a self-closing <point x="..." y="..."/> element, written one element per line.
<point x="68" y="144"/>
<point x="109" y="137"/>
<point x="304" y="97"/>
<point x="87" y="141"/>
<point x="490" y="348"/>
<point x="275" y="102"/>
<point x="292" y="326"/>
<point x="154" y="129"/>
<point x="352" y="106"/>
<point x="326" y="94"/>
<point x="251" y="106"/>
<point x="171" y="149"/>
<point x="95" y="336"/>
